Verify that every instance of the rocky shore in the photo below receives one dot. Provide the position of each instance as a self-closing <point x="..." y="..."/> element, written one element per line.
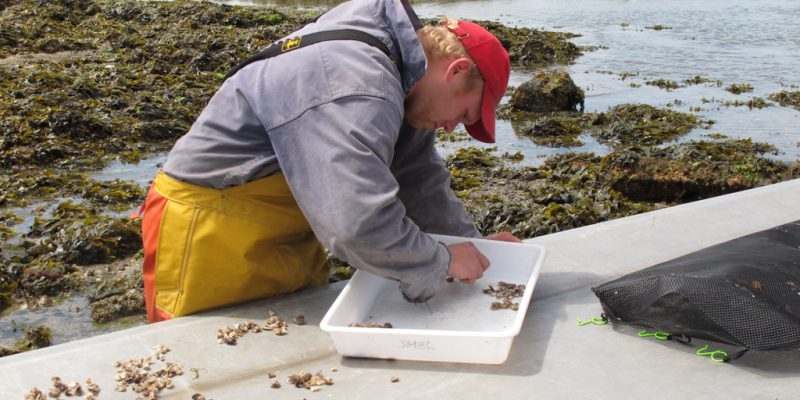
<point x="85" y="83"/>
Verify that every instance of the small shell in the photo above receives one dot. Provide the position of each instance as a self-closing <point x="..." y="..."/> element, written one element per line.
<point x="395" y="379"/>
<point x="74" y="389"/>
<point x="92" y="387"/>
<point x="35" y="394"/>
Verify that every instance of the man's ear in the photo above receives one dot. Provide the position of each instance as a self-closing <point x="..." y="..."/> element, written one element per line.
<point x="459" y="66"/>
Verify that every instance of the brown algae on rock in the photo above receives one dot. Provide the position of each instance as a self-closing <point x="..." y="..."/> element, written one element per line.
<point x="641" y="124"/>
<point x="555" y="129"/>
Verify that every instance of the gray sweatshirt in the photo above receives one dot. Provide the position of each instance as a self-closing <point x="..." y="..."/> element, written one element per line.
<point x="329" y="116"/>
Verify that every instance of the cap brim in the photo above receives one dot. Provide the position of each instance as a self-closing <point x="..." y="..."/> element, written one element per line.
<point x="483" y="130"/>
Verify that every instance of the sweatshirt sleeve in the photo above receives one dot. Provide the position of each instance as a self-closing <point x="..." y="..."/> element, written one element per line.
<point x="336" y="158"/>
<point x="425" y="186"/>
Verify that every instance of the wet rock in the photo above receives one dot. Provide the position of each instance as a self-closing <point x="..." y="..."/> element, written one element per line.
<point x="118" y="306"/>
<point x="45" y="277"/>
<point x="694" y="170"/>
<point x="548" y="91"/>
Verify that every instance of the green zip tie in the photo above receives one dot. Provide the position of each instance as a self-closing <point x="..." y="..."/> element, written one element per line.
<point x="657" y="335"/>
<point x="594" y="320"/>
<point x="702" y="352"/>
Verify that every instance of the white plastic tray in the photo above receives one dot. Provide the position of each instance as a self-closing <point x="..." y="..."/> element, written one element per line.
<point x="457" y="325"/>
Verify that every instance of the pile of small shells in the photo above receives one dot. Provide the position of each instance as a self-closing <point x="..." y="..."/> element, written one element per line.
<point x="160" y="351"/>
<point x="505" y="291"/>
<point x="135" y="374"/>
<point x="313" y="383"/>
<point x="230" y="334"/>
<point x="73" y="389"/>
<point x="370" y="325"/>
<point x="274" y="323"/>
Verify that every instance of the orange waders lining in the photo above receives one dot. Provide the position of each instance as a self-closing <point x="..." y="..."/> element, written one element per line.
<point x="206" y="248"/>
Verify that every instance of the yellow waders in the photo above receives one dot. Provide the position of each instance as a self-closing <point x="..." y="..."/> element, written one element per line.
<point x="207" y="248"/>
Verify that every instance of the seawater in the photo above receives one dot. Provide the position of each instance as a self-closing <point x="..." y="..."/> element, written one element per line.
<point x="733" y="41"/>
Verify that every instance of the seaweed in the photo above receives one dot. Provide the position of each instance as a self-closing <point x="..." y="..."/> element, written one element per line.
<point x="695" y="170"/>
<point x="555" y="129"/>
<point x="84" y="83"/>
<point x="8" y="286"/>
<point x="641" y="124"/>
<point x="35" y="338"/>
<point x="755" y="102"/>
<point x="577" y="189"/>
<point x="79" y="235"/>
<point x="787" y="99"/>
<point x="739" y="88"/>
<point x="532" y="47"/>
<point x="666" y="84"/>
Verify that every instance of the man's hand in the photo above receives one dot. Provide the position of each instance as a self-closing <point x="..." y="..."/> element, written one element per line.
<point x="504" y="237"/>
<point x="466" y="262"/>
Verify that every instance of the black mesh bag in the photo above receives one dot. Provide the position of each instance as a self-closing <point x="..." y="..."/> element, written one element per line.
<point x="744" y="293"/>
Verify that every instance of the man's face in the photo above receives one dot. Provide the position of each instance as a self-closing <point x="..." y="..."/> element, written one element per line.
<point x="443" y="98"/>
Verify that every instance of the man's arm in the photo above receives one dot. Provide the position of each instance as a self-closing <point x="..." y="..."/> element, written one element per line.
<point x="425" y="186"/>
<point x="336" y="158"/>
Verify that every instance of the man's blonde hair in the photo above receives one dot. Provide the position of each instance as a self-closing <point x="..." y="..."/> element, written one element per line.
<point x="442" y="44"/>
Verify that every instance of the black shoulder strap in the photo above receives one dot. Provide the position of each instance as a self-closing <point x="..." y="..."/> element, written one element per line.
<point x="312" y="38"/>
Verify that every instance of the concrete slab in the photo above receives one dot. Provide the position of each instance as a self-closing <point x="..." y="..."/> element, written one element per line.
<point x="552" y="358"/>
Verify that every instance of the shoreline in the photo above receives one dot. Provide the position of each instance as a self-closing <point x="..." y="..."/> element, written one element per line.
<point x="135" y="85"/>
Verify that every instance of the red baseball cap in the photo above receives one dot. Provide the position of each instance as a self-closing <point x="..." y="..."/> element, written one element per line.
<point x="493" y="64"/>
